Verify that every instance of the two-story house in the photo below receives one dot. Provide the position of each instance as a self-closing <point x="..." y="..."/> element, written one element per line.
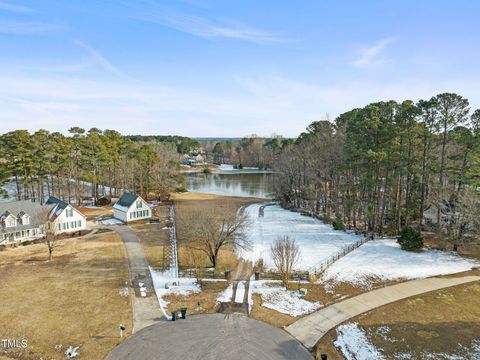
<point x="21" y="221"/>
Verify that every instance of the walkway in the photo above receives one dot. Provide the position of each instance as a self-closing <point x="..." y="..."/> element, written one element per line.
<point x="145" y="308"/>
<point x="211" y="337"/>
<point x="311" y="328"/>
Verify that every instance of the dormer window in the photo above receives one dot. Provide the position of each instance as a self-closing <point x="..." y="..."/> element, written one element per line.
<point x="25" y="219"/>
<point x="10" y="221"/>
<point x="139" y="204"/>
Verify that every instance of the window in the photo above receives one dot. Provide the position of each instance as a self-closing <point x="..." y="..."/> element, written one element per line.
<point x="139" y="204"/>
<point x="25" y="220"/>
<point x="59" y="226"/>
<point x="10" y="222"/>
<point x="69" y="212"/>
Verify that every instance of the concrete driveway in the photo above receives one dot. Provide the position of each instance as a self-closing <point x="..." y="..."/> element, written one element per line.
<point x="211" y="337"/>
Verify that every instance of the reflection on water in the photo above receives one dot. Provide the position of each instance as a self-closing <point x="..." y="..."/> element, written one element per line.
<point x="247" y="183"/>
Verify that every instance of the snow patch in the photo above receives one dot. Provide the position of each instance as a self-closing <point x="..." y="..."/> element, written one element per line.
<point x="354" y="343"/>
<point x="72" y="352"/>
<point x="226" y="295"/>
<point x="280" y="299"/>
<point x="110" y="221"/>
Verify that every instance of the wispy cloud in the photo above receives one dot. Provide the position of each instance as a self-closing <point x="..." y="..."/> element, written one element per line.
<point x="371" y="55"/>
<point x="201" y="27"/>
<point x="99" y="58"/>
<point x="16" y="8"/>
<point x="26" y="28"/>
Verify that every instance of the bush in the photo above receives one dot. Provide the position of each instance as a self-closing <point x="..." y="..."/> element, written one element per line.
<point x="410" y="239"/>
<point x="338" y="223"/>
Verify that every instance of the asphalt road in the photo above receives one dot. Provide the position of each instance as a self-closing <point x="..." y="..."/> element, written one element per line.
<point x="211" y="337"/>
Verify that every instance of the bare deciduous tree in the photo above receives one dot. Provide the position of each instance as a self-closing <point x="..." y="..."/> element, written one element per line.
<point x="285" y="255"/>
<point x="50" y="239"/>
<point x="214" y="229"/>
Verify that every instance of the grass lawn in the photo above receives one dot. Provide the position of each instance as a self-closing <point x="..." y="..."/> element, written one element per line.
<point x="189" y="203"/>
<point x="435" y="322"/>
<point x="154" y="239"/>
<point x="72" y="300"/>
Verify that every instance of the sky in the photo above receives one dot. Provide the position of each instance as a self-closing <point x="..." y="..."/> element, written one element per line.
<point x="226" y="68"/>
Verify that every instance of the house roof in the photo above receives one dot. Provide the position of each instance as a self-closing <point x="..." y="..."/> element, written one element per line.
<point x="19" y="208"/>
<point x="126" y="200"/>
<point x="55" y="206"/>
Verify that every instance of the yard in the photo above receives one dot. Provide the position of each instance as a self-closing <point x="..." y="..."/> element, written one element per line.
<point x="154" y="237"/>
<point x="73" y="300"/>
<point x="187" y="205"/>
<point x="437" y="325"/>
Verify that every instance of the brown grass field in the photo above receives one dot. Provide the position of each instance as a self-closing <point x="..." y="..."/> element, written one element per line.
<point x="154" y="239"/>
<point x="434" y="322"/>
<point x="72" y="300"/>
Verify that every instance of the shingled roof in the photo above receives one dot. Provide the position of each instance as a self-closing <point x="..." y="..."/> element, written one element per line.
<point x="19" y="208"/>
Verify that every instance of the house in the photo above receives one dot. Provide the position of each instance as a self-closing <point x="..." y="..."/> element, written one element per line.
<point x="64" y="217"/>
<point x="21" y="221"/>
<point x="131" y="207"/>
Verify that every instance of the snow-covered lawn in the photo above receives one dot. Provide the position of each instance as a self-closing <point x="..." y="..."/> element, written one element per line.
<point x="164" y="284"/>
<point x="316" y="239"/>
<point x="384" y="260"/>
<point x="280" y="299"/>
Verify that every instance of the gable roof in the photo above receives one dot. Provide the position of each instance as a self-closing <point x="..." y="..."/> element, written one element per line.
<point x="126" y="200"/>
<point x="56" y="206"/>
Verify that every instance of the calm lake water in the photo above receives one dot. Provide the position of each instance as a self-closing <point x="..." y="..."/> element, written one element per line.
<point x="246" y="183"/>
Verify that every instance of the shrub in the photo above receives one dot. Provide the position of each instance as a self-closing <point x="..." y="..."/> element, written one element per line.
<point x="410" y="239"/>
<point x="338" y="223"/>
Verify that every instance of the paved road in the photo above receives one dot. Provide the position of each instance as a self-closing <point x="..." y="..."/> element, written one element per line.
<point x="311" y="328"/>
<point x="146" y="310"/>
<point x="211" y="337"/>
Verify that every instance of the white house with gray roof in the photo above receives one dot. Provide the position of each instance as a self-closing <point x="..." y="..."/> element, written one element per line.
<point x="26" y="220"/>
<point x="64" y="218"/>
<point x="131" y="207"/>
<point x="21" y="221"/>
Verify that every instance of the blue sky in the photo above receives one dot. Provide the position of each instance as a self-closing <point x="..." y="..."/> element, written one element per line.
<point x="226" y="68"/>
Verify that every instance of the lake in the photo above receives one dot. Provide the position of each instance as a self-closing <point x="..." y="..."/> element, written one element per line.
<point x="231" y="182"/>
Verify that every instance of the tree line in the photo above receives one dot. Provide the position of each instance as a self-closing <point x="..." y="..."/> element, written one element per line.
<point x="389" y="165"/>
<point x="86" y="164"/>
<point x="251" y="151"/>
